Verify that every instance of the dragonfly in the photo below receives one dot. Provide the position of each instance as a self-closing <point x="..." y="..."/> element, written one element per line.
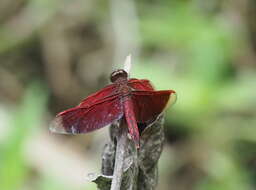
<point x="131" y="100"/>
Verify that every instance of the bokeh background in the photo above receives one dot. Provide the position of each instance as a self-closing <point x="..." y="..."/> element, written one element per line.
<point x="53" y="53"/>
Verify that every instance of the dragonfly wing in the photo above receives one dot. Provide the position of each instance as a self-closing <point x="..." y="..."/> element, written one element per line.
<point x="83" y="120"/>
<point x="98" y="96"/>
<point x="140" y="84"/>
<point x="149" y="104"/>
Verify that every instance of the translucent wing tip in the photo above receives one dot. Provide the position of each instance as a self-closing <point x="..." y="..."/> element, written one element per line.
<point x="56" y="126"/>
<point x="172" y="99"/>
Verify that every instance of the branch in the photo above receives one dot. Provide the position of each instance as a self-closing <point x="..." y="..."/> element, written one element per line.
<point x="119" y="158"/>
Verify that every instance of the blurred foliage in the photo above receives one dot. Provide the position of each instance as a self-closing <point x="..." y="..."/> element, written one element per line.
<point x="13" y="169"/>
<point x="204" y="51"/>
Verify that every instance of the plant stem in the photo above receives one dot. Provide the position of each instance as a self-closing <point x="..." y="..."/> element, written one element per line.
<point x="119" y="157"/>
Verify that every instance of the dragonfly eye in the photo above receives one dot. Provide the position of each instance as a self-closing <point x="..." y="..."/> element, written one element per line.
<point x="119" y="74"/>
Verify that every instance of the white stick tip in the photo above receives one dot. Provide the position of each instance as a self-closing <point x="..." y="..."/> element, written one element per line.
<point x="128" y="63"/>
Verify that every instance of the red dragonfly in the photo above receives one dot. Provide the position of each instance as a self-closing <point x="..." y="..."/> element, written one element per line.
<point x="133" y="100"/>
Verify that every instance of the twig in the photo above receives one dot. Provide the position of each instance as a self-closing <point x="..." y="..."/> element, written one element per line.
<point x="122" y="145"/>
<point x="119" y="158"/>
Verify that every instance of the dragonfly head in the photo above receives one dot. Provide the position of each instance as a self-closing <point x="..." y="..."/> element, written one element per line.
<point x="118" y="75"/>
